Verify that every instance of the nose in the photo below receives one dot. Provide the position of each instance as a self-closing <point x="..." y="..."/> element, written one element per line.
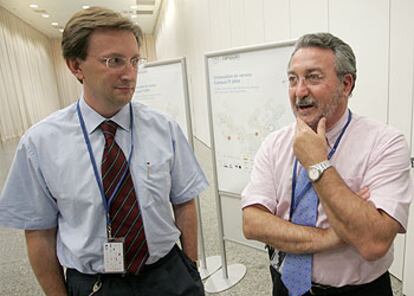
<point x="301" y="88"/>
<point x="129" y="72"/>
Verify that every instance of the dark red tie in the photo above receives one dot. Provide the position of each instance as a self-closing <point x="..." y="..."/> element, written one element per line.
<point x="124" y="209"/>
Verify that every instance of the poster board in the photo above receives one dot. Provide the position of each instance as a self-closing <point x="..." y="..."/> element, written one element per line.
<point x="162" y="85"/>
<point x="248" y="99"/>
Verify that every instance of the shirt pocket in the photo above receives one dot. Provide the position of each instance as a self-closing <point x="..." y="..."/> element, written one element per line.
<point x="156" y="183"/>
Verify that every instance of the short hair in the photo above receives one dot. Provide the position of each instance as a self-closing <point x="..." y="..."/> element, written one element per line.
<point x="75" y="38"/>
<point x="345" y="62"/>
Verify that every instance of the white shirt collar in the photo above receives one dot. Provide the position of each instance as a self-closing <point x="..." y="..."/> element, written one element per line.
<point x="93" y="119"/>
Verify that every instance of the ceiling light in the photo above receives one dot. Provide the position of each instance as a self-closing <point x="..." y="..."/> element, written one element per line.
<point x="134" y="6"/>
<point x="61" y="30"/>
<point x="146" y="2"/>
<point x="134" y="16"/>
<point x="85" y="6"/>
<point x="55" y="24"/>
<point x="34" y="6"/>
<point x="45" y="15"/>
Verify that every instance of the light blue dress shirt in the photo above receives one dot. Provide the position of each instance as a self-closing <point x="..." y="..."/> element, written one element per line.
<point x="51" y="182"/>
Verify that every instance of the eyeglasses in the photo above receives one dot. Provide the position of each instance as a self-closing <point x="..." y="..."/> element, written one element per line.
<point x="309" y="79"/>
<point x="117" y="63"/>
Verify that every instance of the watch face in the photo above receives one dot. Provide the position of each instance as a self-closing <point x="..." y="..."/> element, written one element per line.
<point x="313" y="174"/>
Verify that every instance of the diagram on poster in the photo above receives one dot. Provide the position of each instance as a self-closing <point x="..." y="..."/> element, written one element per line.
<point x="249" y="100"/>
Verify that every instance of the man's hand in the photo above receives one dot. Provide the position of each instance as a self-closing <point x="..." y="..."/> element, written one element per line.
<point x="41" y="248"/>
<point x="309" y="147"/>
<point x="332" y="239"/>
<point x="364" y="193"/>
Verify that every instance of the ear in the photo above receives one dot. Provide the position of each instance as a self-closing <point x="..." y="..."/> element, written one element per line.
<point x="347" y="83"/>
<point x="74" y="66"/>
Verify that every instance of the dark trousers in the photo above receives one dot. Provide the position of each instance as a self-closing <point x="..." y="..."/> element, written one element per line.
<point x="175" y="274"/>
<point x="379" y="287"/>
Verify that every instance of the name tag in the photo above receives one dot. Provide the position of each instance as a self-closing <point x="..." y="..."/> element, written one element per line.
<point x="114" y="257"/>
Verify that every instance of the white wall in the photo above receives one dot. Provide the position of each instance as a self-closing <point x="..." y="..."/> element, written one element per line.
<point x="381" y="32"/>
<point x="401" y="63"/>
<point x="371" y="27"/>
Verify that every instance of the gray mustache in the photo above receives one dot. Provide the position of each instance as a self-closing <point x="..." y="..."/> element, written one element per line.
<point x="306" y="101"/>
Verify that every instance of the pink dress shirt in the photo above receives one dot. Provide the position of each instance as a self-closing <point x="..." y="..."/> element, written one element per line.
<point x="370" y="154"/>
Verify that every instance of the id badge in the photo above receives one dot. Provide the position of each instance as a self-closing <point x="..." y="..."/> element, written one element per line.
<point x="114" y="256"/>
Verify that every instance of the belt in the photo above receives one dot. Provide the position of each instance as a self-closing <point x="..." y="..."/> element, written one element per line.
<point x="317" y="289"/>
<point x="322" y="290"/>
<point x="173" y="252"/>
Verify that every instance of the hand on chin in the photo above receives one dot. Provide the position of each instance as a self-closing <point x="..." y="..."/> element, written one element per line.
<point x="310" y="119"/>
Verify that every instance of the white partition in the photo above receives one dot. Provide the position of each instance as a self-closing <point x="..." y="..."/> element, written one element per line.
<point x="248" y="99"/>
<point x="401" y="65"/>
<point x="365" y="26"/>
<point x="308" y="17"/>
<point x="276" y="15"/>
<point x="408" y="274"/>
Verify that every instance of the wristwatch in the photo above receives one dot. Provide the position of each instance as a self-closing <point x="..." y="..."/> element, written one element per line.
<point x="316" y="171"/>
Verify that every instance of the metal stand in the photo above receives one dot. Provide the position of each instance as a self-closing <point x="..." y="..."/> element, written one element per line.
<point x="209" y="265"/>
<point x="212" y="264"/>
<point x="218" y="282"/>
<point x="229" y="275"/>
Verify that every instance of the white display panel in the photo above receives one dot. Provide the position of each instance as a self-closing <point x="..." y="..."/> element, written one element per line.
<point x="162" y="86"/>
<point x="232" y="223"/>
<point x="248" y="94"/>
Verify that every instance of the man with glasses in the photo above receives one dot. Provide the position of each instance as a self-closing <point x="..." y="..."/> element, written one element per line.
<point x="92" y="185"/>
<point x="329" y="193"/>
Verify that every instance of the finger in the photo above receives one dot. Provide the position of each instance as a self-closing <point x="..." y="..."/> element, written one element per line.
<point x="298" y="125"/>
<point x="364" y="193"/>
<point x="301" y="125"/>
<point x="321" y="130"/>
<point x="299" y="122"/>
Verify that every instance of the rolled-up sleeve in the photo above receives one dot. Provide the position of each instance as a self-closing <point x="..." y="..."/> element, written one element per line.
<point x="187" y="178"/>
<point x="389" y="179"/>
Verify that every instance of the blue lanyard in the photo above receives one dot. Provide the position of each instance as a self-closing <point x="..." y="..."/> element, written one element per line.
<point x="106" y="201"/>
<point x="309" y="184"/>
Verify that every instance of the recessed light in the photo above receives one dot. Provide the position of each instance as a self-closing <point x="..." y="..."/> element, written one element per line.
<point x="55" y="24"/>
<point x="61" y="30"/>
<point x="134" y="6"/>
<point x="85" y="6"/>
<point x="45" y="15"/>
<point x="34" y="6"/>
<point x="134" y="16"/>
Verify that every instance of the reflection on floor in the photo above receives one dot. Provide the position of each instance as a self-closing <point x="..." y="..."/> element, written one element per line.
<point x="17" y="277"/>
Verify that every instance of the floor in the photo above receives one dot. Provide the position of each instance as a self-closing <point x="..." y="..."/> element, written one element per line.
<point x="17" y="278"/>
